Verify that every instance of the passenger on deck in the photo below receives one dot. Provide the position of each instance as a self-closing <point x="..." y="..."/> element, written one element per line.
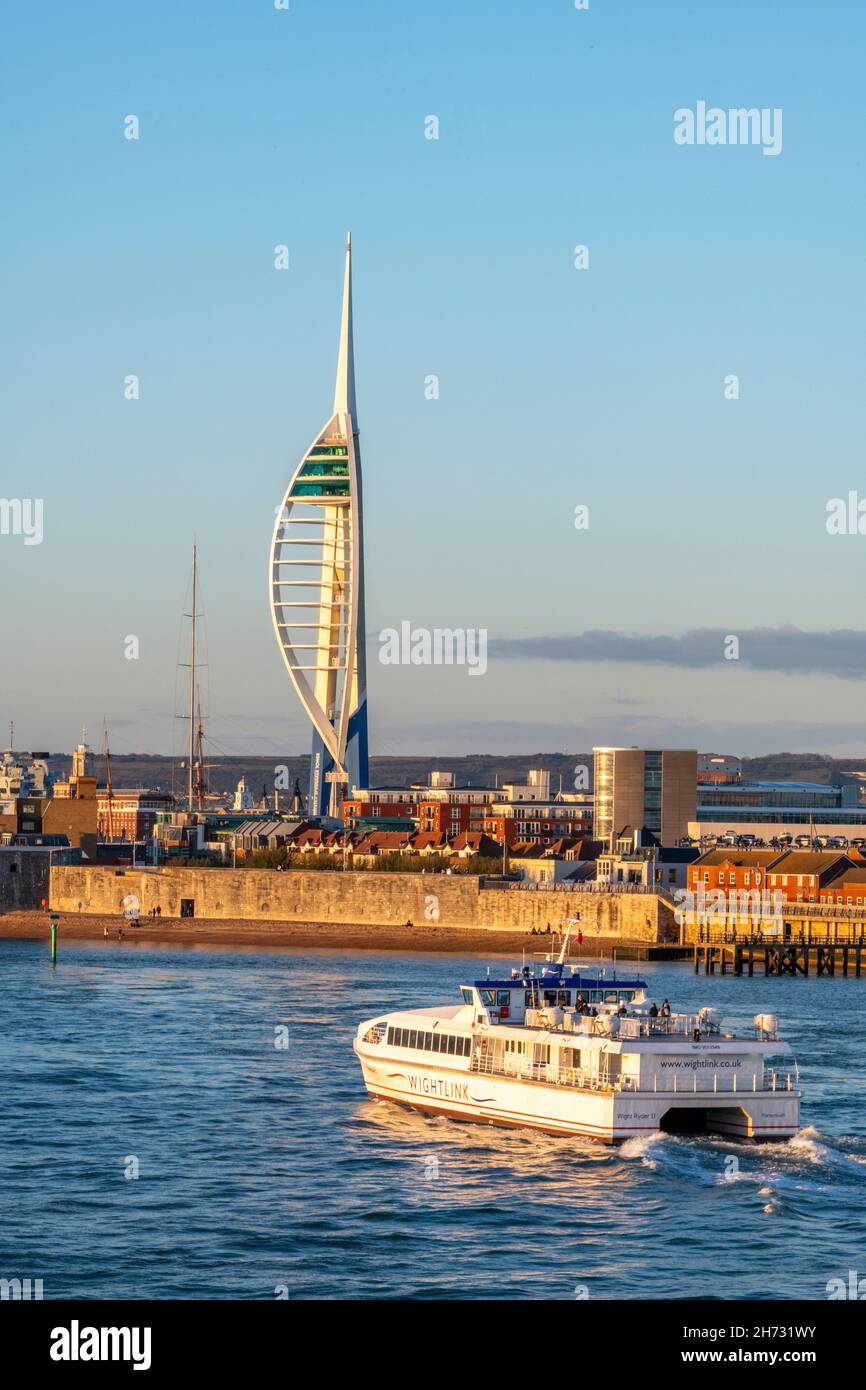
<point x="654" y="1010"/>
<point x="666" y="1009"/>
<point x="622" y="1010"/>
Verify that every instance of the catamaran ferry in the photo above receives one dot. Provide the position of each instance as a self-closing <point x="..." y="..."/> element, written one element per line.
<point x="572" y="1052"/>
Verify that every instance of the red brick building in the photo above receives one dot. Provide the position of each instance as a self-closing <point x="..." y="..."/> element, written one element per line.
<point x="800" y="875"/>
<point x="732" y="871"/>
<point x="133" y="812"/>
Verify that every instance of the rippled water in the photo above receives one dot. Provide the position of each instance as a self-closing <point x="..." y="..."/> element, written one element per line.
<point x="262" y="1167"/>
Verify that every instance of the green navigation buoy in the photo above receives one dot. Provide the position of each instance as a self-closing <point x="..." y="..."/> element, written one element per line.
<point x="54" y="919"/>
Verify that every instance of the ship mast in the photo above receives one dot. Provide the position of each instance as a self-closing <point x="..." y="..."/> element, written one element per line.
<point x="108" y="794"/>
<point x="190" y="772"/>
<point x="200" y="764"/>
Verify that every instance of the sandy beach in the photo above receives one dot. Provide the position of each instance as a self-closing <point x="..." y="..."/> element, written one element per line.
<point x="357" y="937"/>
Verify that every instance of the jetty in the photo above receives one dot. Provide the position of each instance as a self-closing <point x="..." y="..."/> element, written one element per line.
<point x="796" y="954"/>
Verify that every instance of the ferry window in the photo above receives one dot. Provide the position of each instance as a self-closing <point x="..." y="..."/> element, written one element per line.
<point x="437" y="1039"/>
<point x="610" y="996"/>
<point x="391" y="1037"/>
<point x="467" y="996"/>
<point x="563" y="997"/>
<point x="488" y="996"/>
<point x="451" y="1043"/>
<point x="428" y="1042"/>
<point x="550" y="996"/>
<point x="413" y="1038"/>
<point x="503" y="996"/>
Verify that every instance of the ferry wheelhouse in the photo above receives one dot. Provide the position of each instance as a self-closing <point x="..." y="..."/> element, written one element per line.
<point x="574" y="1051"/>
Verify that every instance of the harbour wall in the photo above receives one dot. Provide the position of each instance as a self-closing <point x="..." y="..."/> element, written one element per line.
<point x="24" y="875"/>
<point x="264" y="895"/>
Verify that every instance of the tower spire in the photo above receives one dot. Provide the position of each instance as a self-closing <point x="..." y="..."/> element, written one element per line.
<point x="344" y="393"/>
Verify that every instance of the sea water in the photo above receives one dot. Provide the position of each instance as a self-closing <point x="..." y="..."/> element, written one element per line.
<point x="185" y="1122"/>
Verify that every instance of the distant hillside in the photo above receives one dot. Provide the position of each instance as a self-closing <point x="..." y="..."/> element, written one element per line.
<point x="474" y="770"/>
<point x="802" y="767"/>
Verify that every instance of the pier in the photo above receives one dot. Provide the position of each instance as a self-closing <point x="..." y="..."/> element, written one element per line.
<point x="792" y="954"/>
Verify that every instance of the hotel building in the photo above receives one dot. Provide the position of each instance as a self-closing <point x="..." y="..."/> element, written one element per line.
<point x="652" y="788"/>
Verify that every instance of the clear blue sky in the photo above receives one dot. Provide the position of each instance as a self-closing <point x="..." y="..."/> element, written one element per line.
<point x="558" y="387"/>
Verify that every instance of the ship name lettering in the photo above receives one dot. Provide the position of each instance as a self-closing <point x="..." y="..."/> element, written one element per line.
<point x="439" y="1086"/>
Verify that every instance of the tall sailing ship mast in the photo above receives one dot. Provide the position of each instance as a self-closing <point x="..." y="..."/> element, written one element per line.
<point x="106" y="753"/>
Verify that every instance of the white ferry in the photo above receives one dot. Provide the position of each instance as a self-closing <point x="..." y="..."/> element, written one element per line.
<point x="572" y="1052"/>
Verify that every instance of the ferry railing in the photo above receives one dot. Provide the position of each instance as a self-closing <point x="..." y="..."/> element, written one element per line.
<point x="670" y="1025"/>
<point x="695" y="1082"/>
<point x="701" y="1084"/>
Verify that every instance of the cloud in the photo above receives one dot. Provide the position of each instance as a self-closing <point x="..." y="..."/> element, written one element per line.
<point x="841" y="652"/>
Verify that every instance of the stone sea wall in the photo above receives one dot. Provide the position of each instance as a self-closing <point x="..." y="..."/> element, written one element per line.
<point x="356" y="898"/>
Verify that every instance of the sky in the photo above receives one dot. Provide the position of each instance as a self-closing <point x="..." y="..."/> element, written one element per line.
<point x="559" y="387"/>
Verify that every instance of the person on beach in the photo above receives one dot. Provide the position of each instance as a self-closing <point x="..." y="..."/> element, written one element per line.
<point x="120" y="933"/>
<point x="105" y="930"/>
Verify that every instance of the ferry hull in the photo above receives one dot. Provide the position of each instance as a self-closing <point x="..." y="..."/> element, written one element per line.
<point x="610" y="1116"/>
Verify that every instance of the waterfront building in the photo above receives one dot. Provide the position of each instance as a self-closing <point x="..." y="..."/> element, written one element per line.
<point x="799" y="875"/>
<point x="64" y="808"/>
<point x="640" y="860"/>
<point x="719" y="767"/>
<point x="796" y="876"/>
<point x="732" y="871"/>
<point x="651" y="787"/>
<point x="129" y="813"/>
<point x="19" y="778"/>
<point x="517" y="811"/>
<point x="847" y="889"/>
<point x="765" y="809"/>
<point x="317" y="588"/>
